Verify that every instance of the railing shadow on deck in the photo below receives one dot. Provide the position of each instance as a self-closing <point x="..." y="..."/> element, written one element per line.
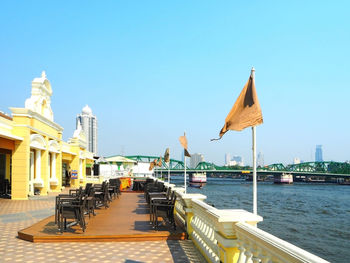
<point x="184" y="251"/>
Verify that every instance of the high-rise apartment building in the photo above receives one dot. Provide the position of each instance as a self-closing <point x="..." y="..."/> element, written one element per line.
<point x="227" y="159"/>
<point x="89" y="125"/>
<point x="196" y="158"/>
<point x="260" y="161"/>
<point x="318" y="154"/>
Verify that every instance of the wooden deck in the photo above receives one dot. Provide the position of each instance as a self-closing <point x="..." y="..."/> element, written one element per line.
<point x="127" y="219"/>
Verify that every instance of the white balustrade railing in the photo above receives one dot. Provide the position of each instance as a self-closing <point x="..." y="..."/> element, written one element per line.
<point x="261" y="246"/>
<point x="231" y="235"/>
<point x="204" y="230"/>
<point x="180" y="213"/>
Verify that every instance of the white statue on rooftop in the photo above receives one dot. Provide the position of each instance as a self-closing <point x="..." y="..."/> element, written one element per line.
<point x="40" y="100"/>
<point x="79" y="133"/>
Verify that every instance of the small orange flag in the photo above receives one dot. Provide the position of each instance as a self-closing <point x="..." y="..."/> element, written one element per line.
<point x="183" y="141"/>
<point x="151" y="166"/>
<point x="159" y="162"/>
<point x="246" y="111"/>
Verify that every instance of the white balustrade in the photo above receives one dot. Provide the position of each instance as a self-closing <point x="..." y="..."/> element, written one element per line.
<point x="265" y="247"/>
<point x="231" y="235"/>
<point x="204" y="230"/>
<point x="180" y="212"/>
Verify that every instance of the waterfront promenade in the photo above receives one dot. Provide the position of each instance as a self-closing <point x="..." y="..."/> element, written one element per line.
<point x="17" y="215"/>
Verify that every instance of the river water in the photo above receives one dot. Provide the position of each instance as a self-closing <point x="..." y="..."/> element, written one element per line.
<point x="315" y="217"/>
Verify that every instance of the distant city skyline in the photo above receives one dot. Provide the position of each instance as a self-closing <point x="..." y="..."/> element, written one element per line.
<point x="154" y="70"/>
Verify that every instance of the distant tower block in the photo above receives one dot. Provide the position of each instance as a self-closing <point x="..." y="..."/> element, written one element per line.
<point x="318" y="154"/>
<point x="227" y="159"/>
<point x="89" y="125"/>
<point x="261" y="161"/>
<point x="196" y="158"/>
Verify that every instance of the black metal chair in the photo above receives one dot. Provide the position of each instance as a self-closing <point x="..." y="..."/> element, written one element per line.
<point x="5" y="187"/>
<point x="158" y="187"/>
<point x="102" y="195"/>
<point x="112" y="188"/>
<point x="71" y="208"/>
<point x="164" y="209"/>
<point x="76" y="192"/>
<point x="156" y="197"/>
<point x="90" y="202"/>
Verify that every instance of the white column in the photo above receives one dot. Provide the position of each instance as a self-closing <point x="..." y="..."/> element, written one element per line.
<point x="185" y="181"/>
<point x="37" y="165"/>
<point x="80" y="176"/>
<point x="53" y="165"/>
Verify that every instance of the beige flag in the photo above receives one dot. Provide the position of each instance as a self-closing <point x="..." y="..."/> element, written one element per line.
<point x="167" y="155"/>
<point x="246" y="111"/>
<point x="151" y="166"/>
<point x="183" y="141"/>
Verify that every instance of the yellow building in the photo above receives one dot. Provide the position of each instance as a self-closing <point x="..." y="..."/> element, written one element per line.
<point x="33" y="157"/>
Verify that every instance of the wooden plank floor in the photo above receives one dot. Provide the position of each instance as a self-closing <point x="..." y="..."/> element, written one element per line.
<point x="127" y="219"/>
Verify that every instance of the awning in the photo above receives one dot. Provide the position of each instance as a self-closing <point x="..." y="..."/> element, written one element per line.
<point x="10" y="136"/>
<point x="119" y="159"/>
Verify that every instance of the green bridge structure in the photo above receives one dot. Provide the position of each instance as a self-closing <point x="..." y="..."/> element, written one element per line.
<point x="321" y="169"/>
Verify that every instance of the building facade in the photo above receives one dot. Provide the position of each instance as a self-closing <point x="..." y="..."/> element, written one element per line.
<point x="196" y="158"/>
<point x="89" y="125"/>
<point x="34" y="157"/>
<point x="318" y="154"/>
<point x="236" y="161"/>
<point x="227" y="159"/>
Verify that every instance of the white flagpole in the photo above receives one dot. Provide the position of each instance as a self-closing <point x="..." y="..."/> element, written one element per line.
<point x="185" y="173"/>
<point x="255" y="189"/>
<point x="169" y="170"/>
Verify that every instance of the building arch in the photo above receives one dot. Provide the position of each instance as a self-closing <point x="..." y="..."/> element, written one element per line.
<point x="54" y="146"/>
<point x="37" y="141"/>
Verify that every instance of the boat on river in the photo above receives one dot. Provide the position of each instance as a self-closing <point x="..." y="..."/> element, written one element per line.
<point x="198" y="179"/>
<point x="283" y="178"/>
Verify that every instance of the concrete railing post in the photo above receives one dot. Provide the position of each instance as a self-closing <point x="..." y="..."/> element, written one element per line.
<point x="225" y="220"/>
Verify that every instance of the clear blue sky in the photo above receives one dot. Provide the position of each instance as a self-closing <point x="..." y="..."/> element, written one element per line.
<point x="151" y="70"/>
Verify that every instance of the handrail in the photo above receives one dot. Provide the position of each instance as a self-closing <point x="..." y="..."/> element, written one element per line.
<point x="231" y="235"/>
<point x="204" y="230"/>
<point x="258" y="244"/>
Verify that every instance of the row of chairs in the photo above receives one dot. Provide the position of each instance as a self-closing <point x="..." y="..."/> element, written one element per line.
<point x="5" y="187"/>
<point x="161" y="201"/>
<point x="80" y="202"/>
